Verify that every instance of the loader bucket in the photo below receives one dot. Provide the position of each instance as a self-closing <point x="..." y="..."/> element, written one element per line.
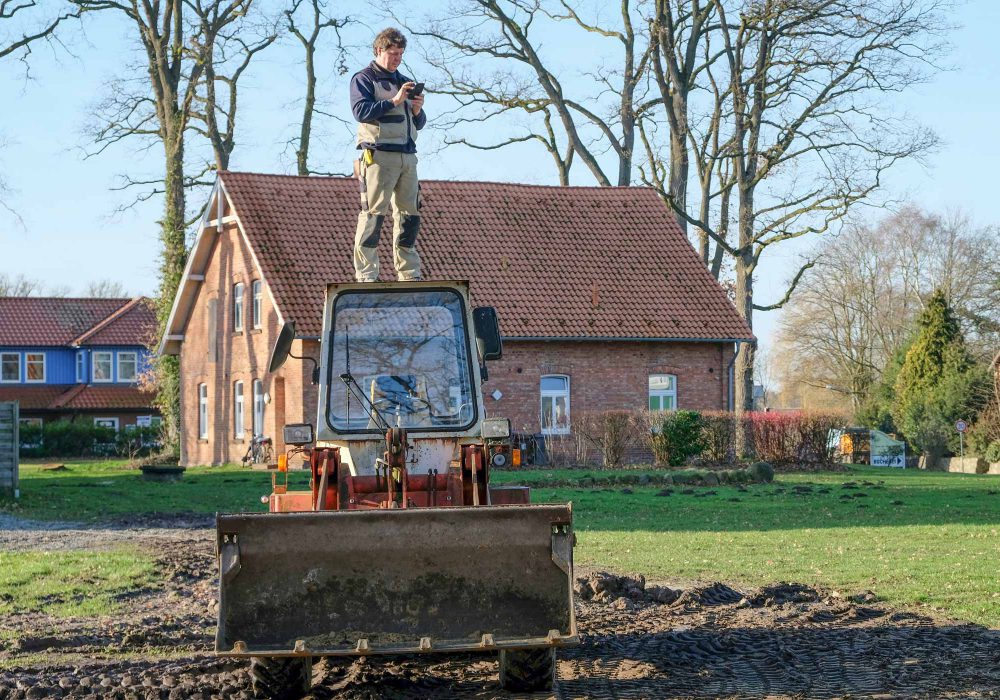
<point x="359" y="582"/>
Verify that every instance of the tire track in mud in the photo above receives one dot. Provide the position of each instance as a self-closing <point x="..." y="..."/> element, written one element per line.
<point x="637" y="641"/>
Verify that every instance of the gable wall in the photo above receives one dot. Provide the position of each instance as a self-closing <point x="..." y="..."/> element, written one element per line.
<point x="238" y="356"/>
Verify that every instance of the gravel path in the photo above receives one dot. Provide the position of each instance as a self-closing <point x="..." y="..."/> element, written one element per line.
<point x="638" y="641"/>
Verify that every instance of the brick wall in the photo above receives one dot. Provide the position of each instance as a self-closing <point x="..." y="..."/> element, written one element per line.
<point x="236" y="356"/>
<point x="605" y="376"/>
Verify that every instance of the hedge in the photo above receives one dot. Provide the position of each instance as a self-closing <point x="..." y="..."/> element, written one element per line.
<point x="80" y="439"/>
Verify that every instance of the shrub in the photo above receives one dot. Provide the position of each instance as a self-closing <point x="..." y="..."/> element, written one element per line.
<point x="791" y="437"/>
<point x="675" y="437"/>
<point x="81" y="439"/>
<point x="761" y="472"/>
<point x="611" y="432"/>
<point x="992" y="452"/>
<point x="718" y="436"/>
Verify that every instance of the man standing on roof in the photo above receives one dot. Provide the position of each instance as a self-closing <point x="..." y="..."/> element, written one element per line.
<point x="389" y="111"/>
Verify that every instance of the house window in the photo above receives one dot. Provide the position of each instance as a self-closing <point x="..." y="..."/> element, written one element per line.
<point x="555" y="404"/>
<point x="662" y="392"/>
<point x="37" y="422"/>
<point x="101" y="366"/>
<point x="34" y="366"/>
<point x="258" y="407"/>
<point x="255" y="289"/>
<point x="203" y="411"/>
<point x="80" y="366"/>
<point x="127" y="366"/>
<point x="238" y="416"/>
<point x="107" y="423"/>
<point x="238" y="306"/>
<point x="10" y="367"/>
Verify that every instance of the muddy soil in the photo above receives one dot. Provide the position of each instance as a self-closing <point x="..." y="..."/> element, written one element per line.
<point x="638" y="640"/>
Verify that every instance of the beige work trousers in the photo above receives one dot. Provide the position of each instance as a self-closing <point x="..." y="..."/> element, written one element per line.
<point x="391" y="179"/>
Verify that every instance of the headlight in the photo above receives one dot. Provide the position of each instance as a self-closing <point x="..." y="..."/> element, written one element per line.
<point x="496" y="428"/>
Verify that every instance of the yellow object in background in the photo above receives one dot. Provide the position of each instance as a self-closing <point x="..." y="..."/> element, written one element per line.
<point x="282" y="463"/>
<point x="369" y="156"/>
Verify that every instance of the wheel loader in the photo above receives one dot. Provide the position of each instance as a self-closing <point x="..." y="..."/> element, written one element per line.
<point x="400" y="545"/>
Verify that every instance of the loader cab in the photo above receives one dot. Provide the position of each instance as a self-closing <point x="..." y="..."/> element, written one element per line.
<point x="409" y="354"/>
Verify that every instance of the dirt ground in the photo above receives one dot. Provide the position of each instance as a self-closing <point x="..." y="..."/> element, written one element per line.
<point x="638" y="640"/>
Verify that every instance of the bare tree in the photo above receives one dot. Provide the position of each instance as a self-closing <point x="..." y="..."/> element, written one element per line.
<point x="308" y="35"/>
<point x="24" y="22"/>
<point x="176" y="44"/>
<point x="853" y="311"/>
<point x="505" y="34"/>
<point x="810" y="134"/>
<point x="19" y="286"/>
<point x="105" y="289"/>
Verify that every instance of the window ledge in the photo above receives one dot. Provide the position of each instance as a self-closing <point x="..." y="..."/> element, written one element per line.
<point x="257" y="330"/>
<point x="203" y="441"/>
<point x="237" y="332"/>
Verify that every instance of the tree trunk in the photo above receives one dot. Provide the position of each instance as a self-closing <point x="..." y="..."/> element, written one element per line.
<point x="171" y="271"/>
<point x="679" y="157"/>
<point x="302" y="153"/>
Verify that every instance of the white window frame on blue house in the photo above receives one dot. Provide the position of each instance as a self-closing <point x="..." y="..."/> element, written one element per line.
<point x="81" y="359"/>
<point x="258" y="300"/>
<point x="29" y="361"/>
<point x="135" y="365"/>
<point x="93" y="366"/>
<point x="5" y="362"/>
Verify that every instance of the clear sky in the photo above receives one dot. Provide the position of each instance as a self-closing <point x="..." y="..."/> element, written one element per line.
<point x="72" y="233"/>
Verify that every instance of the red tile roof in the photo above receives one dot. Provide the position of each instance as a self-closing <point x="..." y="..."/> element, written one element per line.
<point x="54" y="321"/>
<point x="557" y="262"/>
<point x="94" y="396"/>
<point x="33" y="397"/>
<point x="78" y="397"/>
<point x="133" y="324"/>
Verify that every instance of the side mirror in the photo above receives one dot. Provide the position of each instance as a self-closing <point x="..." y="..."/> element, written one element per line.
<point x="487" y="332"/>
<point x="282" y="346"/>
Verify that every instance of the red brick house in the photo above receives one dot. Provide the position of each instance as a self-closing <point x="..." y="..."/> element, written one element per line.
<point x="77" y="359"/>
<point x="602" y="301"/>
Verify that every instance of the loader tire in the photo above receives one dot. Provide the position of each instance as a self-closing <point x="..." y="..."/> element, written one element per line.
<point x="281" y="677"/>
<point x="527" y="670"/>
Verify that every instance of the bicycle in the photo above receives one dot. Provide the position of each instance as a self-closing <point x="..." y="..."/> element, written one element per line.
<point x="259" y="451"/>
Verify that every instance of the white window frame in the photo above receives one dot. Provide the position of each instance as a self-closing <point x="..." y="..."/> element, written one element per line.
<point x="257" y="293"/>
<point x="238" y="292"/>
<point x="108" y="419"/>
<point x="27" y="379"/>
<point x="258" y="407"/>
<point x="239" y="412"/>
<point x="135" y="362"/>
<point x="81" y="366"/>
<point x="203" y="411"/>
<point x="5" y="355"/>
<point x="554" y="394"/>
<point x="93" y="367"/>
<point x="662" y="394"/>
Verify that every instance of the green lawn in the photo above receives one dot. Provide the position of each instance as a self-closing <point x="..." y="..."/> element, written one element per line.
<point x="69" y="583"/>
<point x="927" y="539"/>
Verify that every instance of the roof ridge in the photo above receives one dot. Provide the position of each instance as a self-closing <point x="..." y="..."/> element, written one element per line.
<point x="117" y="313"/>
<point x="525" y="185"/>
<point x="51" y="298"/>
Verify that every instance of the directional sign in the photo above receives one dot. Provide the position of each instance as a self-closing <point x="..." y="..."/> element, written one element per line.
<point x="961" y="426"/>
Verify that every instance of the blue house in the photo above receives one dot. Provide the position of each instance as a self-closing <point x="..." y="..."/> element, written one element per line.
<point x="77" y="359"/>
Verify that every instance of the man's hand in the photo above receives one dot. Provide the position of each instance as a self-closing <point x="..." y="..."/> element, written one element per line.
<point x="403" y="93"/>
<point x="417" y="103"/>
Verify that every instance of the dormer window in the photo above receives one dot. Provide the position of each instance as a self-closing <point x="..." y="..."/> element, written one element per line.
<point x="34" y="366"/>
<point x="101" y="369"/>
<point x="80" y="366"/>
<point x="127" y="366"/>
<point x="10" y="367"/>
